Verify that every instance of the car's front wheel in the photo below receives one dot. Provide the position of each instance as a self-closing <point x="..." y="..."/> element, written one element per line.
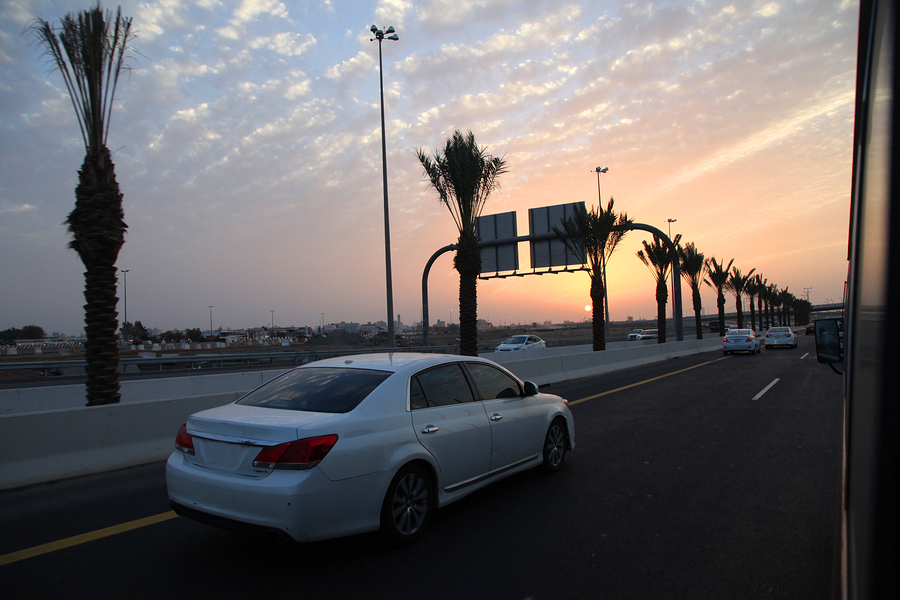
<point x="408" y="505"/>
<point x="555" y="446"/>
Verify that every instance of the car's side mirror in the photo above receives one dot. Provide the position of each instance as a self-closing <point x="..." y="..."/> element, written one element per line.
<point x="531" y="389"/>
<point x="828" y="341"/>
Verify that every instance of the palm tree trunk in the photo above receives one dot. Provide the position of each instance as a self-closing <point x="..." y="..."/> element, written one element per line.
<point x="720" y="302"/>
<point x="468" y="264"/>
<point x="662" y="295"/>
<point x="598" y="323"/>
<point x="98" y="232"/>
<point x="739" y="309"/>
<point x="101" y="322"/>
<point x="752" y="315"/>
<point x="698" y="306"/>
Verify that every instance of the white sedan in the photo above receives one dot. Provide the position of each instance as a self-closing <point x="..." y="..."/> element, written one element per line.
<point x="521" y="343"/>
<point x="740" y="340"/>
<point x="780" y="336"/>
<point x="361" y="443"/>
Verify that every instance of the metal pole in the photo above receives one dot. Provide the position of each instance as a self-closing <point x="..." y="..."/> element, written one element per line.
<point x="125" y="289"/>
<point x="387" y="225"/>
<point x="210" y="321"/>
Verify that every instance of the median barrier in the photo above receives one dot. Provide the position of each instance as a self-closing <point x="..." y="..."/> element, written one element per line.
<point x="53" y="442"/>
<point x="57" y="397"/>
<point x="57" y="444"/>
<point x="542" y="369"/>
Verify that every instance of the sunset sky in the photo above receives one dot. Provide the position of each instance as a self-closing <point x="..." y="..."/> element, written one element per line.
<point x="247" y="145"/>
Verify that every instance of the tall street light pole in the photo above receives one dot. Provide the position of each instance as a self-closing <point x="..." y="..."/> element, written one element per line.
<point x="210" y="321"/>
<point x="380" y="35"/>
<point x="273" y="318"/>
<point x="600" y="170"/>
<point x="673" y="270"/>
<point x="125" y="290"/>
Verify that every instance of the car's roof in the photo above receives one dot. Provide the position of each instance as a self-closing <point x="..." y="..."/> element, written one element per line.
<point x="389" y="361"/>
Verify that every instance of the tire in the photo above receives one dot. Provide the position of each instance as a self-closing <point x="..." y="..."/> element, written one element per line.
<point x="555" y="446"/>
<point x="408" y="505"/>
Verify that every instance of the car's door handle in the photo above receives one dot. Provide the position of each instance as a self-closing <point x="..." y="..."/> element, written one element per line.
<point x="496" y="417"/>
<point x="430" y="429"/>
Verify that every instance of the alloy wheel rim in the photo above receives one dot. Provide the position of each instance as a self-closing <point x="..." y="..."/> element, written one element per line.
<point x="555" y="445"/>
<point x="410" y="504"/>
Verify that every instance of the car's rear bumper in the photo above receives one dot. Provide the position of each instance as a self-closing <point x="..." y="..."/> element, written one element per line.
<point x="304" y="505"/>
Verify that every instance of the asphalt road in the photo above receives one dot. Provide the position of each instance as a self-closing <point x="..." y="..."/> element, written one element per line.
<point x="684" y="484"/>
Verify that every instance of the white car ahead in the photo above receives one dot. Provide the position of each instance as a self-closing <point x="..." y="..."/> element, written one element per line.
<point x="740" y="340"/>
<point x="635" y="334"/>
<point x="361" y="443"/>
<point x="780" y="336"/>
<point x="521" y="343"/>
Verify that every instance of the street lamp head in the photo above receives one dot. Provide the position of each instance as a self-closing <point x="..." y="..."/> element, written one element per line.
<point x="602" y="169"/>
<point x="673" y="220"/>
<point x="380" y="35"/>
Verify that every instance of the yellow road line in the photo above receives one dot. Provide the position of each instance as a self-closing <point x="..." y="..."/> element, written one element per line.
<point x="7" y="559"/>
<point x="644" y="381"/>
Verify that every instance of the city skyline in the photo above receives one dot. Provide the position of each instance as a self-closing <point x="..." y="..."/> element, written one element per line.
<point x="247" y="145"/>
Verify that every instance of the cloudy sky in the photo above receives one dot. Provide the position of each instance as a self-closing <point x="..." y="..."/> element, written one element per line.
<point x="247" y="144"/>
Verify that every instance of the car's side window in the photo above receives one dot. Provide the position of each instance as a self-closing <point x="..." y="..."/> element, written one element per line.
<point x="493" y="383"/>
<point x="441" y="386"/>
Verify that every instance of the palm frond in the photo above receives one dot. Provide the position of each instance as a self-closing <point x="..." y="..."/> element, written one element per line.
<point x="89" y="51"/>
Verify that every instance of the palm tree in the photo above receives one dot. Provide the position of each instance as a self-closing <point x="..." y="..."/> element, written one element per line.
<point x="590" y="234"/>
<point x="464" y="175"/>
<point x="755" y="289"/>
<point x="89" y="52"/>
<point x="785" y="301"/>
<point x="771" y="297"/>
<point x="736" y="284"/>
<point x="692" y="262"/>
<point x="657" y="258"/>
<point x="717" y="278"/>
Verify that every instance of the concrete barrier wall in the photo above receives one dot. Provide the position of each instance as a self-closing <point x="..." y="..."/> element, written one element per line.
<point x="50" y="445"/>
<point x="56" y="397"/>
<point x="54" y="443"/>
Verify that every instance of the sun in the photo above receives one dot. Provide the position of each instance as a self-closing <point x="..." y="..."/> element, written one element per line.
<point x="587" y="307"/>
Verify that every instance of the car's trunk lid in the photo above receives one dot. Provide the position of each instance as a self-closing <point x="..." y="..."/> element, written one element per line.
<point x="229" y="438"/>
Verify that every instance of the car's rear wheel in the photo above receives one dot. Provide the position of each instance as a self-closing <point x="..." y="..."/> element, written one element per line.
<point x="408" y="505"/>
<point x="555" y="446"/>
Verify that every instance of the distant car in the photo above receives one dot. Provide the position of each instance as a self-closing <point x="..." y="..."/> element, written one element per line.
<point x="713" y="325"/>
<point x="520" y="343"/>
<point x="635" y="334"/>
<point x="649" y="334"/>
<point x="811" y="328"/>
<point x="780" y="336"/>
<point x="361" y="443"/>
<point x="741" y="340"/>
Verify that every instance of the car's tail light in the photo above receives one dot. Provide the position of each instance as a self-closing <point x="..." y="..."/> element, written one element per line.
<point x="724" y="339"/>
<point x="749" y="339"/>
<point x="299" y="454"/>
<point x="183" y="440"/>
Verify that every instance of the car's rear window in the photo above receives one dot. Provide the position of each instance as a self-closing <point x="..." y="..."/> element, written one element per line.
<point x="739" y="332"/>
<point x="317" y="389"/>
<point x="516" y="339"/>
